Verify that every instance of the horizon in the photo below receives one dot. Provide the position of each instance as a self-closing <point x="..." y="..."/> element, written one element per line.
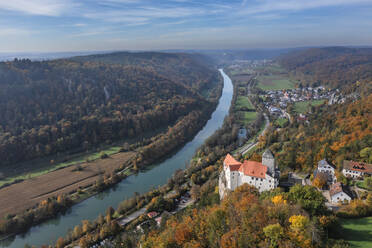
<point x="45" y="26"/>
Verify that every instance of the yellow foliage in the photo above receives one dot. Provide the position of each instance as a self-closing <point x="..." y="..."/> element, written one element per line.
<point x="279" y="200"/>
<point x="298" y="222"/>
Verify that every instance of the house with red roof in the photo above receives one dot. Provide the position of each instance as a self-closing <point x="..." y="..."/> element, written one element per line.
<point x="263" y="176"/>
<point x="356" y="170"/>
<point x="339" y="193"/>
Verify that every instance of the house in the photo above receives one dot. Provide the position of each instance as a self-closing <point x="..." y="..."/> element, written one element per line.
<point x="339" y="193"/>
<point x="152" y="214"/>
<point x="165" y="215"/>
<point x="328" y="169"/>
<point x="263" y="176"/>
<point x="354" y="169"/>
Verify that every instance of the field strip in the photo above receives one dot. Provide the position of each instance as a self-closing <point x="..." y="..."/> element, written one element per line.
<point x="64" y="186"/>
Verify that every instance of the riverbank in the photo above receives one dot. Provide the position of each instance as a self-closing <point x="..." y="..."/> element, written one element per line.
<point x="166" y="167"/>
<point x="78" y="183"/>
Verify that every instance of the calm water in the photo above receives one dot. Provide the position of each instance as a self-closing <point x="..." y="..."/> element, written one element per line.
<point x="159" y="174"/>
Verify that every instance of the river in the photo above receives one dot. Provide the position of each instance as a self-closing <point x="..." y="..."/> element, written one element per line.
<point x="142" y="182"/>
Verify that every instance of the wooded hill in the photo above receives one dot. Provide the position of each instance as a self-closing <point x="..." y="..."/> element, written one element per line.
<point x="188" y="69"/>
<point x="331" y="66"/>
<point x="52" y="106"/>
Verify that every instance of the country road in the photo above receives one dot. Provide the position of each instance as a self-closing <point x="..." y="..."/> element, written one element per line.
<point x="132" y="216"/>
<point x="247" y="147"/>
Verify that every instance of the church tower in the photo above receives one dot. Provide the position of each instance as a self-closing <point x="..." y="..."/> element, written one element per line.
<point x="269" y="160"/>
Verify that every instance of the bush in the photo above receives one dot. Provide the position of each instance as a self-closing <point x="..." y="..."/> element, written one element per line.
<point x="103" y="155"/>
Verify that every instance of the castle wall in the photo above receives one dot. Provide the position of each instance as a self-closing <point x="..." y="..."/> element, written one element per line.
<point x="270" y="163"/>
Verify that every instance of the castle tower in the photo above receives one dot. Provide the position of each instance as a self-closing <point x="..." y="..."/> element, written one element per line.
<point x="269" y="160"/>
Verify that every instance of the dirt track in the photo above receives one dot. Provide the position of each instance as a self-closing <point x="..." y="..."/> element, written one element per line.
<point x="21" y="196"/>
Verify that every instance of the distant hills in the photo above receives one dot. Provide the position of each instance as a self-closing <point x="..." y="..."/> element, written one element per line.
<point x="331" y="66"/>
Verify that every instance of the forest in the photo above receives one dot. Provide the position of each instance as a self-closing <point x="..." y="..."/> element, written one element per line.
<point x="49" y="107"/>
<point x="332" y="67"/>
<point x="244" y="218"/>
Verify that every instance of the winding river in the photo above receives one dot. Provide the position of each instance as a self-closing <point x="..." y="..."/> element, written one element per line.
<point x="157" y="175"/>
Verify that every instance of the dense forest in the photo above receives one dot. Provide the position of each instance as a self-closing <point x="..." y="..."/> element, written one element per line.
<point x="187" y="69"/>
<point x="49" y="107"/>
<point x="332" y="66"/>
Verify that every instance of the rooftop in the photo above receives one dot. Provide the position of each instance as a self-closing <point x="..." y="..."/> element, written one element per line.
<point x="253" y="169"/>
<point x="267" y="154"/>
<point x="358" y="166"/>
<point x="231" y="162"/>
<point x="324" y="162"/>
<point x="337" y="188"/>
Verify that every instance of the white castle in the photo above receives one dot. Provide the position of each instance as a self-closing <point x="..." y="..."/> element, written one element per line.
<point x="263" y="176"/>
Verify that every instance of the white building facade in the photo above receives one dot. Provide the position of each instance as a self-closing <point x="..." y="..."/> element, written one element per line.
<point x="264" y="176"/>
<point x="338" y="193"/>
<point x="328" y="169"/>
<point x="356" y="170"/>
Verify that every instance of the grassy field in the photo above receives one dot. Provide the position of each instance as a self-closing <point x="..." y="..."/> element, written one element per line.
<point x="362" y="185"/>
<point x="302" y="107"/>
<point x="281" y="121"/>
<point x="62" y="181"/>
<point x="248" y="116"/>
<point x="49" y="168"/>
<point x="275" y="82"/>
<point x="358" y="232"/>
<point x="243" y="102"/>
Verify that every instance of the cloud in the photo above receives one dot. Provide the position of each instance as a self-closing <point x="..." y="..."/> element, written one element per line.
<point x="142" y="15"/>
<point x="297" y="5"/>
<point x="79" y="25"/>
<point x="6" y="32"/>
<point x="37" y="7"/>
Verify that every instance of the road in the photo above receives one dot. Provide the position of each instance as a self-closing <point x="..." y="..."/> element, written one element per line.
<point x="247" y="147"/>
<point x="132" y="216"/>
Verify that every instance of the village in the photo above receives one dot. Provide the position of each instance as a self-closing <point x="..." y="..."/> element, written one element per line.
<point x="266" y="176"/>
<point x="277" y="101"/>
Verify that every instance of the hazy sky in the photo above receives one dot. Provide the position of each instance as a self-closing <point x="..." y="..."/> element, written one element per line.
<point x="81" y="25"/>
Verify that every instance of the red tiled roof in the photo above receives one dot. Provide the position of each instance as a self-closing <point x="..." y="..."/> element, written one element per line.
<point x="232" y="163"/>
<point x="358" y="166"/>
<point x="336" y="188"/>
<point x="152" y="214"/>
<point x="253" y="169"/>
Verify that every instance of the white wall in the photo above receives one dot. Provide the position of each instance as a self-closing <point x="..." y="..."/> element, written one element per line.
<point x="340" y="197"/>
<point x="353" y="174"/>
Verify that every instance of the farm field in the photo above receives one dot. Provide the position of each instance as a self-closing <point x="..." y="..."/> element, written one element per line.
<point x="301" y="107"/>
<point x="42" y="167"/>
<point x="242" y="102"/>
<point x="248" y="116"/>
<point x="274" y="82"/>
<point x="62" y="181"/>
<point x="358" y="232"/>
<point x="242" y="78"/>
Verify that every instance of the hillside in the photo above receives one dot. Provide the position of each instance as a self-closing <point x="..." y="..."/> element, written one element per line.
<point x="245" y="219"/>
<point x="49" y="107"/>
<point x="336" y="132"/>
<point x="333" y="67"/>
<point x="192" y="70"/>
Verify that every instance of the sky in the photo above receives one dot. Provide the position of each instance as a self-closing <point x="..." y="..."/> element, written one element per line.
<point x="99" y="25"/>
